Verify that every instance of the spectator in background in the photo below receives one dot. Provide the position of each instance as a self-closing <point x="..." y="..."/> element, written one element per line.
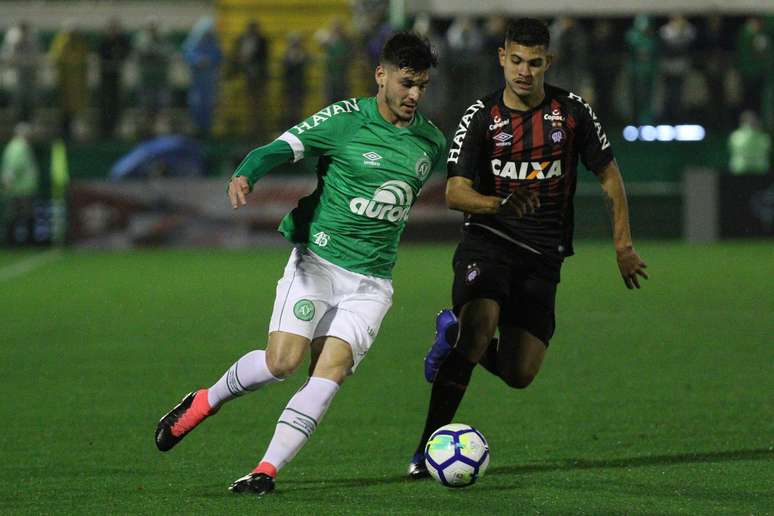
<point x="152" y="55"/>
<point x="571" y="45"/>
<point x="367" y="15"/>
<point x="113" y="51"/>
<point x="379" y="32"/>
<point x="434" y="106"/>
<point x="465" y="42"/>
<point x="767" y="113"/>
<point x="294" y="63"/>
<point x="749" y="147"/>
<point x="642" y="45"/>
<point x="493" y="38"/>
<point x="714" y="51"/>
<point x="678" y="36"/>
<point x="337" y="56"/>
<point x="70" y="52"/>
<point x="754" y="57"/>
<point x="19" y="182"/>
<point x="202" y="53"/>
<point x="423" y="25"/>
<point x="20" y="54"/>
<point x="250" y="56"/>
<point x="605" y="66"/>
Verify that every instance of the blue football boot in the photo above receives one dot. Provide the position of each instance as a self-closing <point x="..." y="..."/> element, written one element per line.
<point x="440" y="348"/>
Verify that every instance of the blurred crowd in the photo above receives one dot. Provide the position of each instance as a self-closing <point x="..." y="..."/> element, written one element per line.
<point x="138" y="85"/>
<point x="89" y="80"/>
<point x="126" y="84"/>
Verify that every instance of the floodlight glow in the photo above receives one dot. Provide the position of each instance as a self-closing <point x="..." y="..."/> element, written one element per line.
<point x="647" y="133"/>
<point x="665" y="133"/>
<point x="690" y="133"/>
<point x="630" y="133"/>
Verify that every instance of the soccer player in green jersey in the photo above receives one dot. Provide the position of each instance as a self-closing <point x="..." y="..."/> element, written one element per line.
<point x="374" y="156"/>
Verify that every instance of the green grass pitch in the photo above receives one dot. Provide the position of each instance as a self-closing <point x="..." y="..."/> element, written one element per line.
<point x="659" y="401"/>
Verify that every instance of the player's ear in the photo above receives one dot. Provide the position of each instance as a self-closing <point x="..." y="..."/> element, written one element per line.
<point x="380" y="75"/>
<point x="501" y="56"/>
<point x="549" y="60"/>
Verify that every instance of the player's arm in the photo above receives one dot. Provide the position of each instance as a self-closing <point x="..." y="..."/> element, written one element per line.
<point x="461" y="196"/>
<point x="256" y="165"/>
<point x="629" y="262"/>
<point x="319" y="134"/>
<point x="465" y="155"/>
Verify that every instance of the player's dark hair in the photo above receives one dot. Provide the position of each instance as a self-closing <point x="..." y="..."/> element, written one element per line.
<point x="408" y="50"/>
<point x="529" y="32"/>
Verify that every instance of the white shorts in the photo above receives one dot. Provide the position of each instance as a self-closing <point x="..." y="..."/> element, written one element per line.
<point x="316" y="298"/>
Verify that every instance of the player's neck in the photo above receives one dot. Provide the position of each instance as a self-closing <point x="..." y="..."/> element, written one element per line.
<point x="388" y="115"/>
<point x="517" y="103"/>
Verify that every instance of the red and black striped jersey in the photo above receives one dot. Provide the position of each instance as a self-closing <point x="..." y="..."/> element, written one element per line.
<point x="501" y="149"/>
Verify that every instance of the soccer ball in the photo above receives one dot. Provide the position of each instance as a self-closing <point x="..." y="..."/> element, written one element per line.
<point x="456" y="455"/>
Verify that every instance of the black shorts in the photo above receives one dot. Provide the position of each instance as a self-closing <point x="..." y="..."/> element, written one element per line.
<point x="523" y="283"/>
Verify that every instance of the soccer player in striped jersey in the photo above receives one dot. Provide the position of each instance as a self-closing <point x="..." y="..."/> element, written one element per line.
<point x="374" y="155"/>
<point x="525" y="139"/>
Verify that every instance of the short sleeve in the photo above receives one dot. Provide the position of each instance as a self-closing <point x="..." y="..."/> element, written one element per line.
<point x="468" y="143"/>
<point x="593" y="146"/>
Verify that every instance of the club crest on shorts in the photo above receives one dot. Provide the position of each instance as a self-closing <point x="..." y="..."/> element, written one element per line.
<point x="304" y="310"/>
<point x="472" y="273"/>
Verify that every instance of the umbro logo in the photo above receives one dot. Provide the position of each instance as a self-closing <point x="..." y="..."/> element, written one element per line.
<point x="502" y="139"/>
<point x="372" y="158"/>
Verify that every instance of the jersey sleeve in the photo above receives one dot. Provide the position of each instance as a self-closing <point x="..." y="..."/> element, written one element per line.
<point x="593" y="146"/>
<point x="468" y="143"/>
<point x="325" y="131"/>
<point x="260" y="161"/>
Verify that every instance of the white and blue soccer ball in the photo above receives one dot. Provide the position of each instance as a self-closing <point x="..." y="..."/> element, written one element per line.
<point x="457" y="455"/>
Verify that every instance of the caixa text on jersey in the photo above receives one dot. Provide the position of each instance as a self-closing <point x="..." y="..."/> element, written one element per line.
<point x="527" y="169"/>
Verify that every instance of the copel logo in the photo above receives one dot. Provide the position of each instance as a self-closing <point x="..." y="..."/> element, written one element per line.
<point x="392" y="201"/>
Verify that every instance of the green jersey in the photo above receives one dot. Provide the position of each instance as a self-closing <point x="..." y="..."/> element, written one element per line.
<point x="370" y="173"/>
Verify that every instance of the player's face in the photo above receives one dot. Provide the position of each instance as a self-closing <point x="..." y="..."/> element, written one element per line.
<point x="400" y="90"/>
<point x="525" y="69"/>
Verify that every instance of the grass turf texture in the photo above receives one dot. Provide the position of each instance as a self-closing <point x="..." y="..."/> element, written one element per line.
<point x="657" y="401"/>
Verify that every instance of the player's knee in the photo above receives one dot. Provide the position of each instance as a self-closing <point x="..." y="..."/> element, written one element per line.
<point x="519" y="379"/>
<point x="282" y="366"/>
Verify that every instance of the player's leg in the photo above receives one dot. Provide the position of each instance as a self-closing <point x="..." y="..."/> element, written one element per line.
<point x="342" y="339"/>
<point x="519" y="356"/>
<point x="446" y="330"/>
<point x="252" y="371"/>
<point x="481" y="280"/>
<point x="298" y="307"/>
<point x="477" y="325"/>
<point x="526" y="327"/>
<point x="331" y="362"/>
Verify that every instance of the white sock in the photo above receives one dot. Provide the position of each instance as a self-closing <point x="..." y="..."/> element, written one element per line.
<point x="249" y="373"/>
<point x="300" y="418"/>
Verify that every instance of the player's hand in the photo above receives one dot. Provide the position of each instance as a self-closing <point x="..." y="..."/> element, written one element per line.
<point x="631" y="265"/>
<point x="238" y="188"/>
<point x="520" y="202"/>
